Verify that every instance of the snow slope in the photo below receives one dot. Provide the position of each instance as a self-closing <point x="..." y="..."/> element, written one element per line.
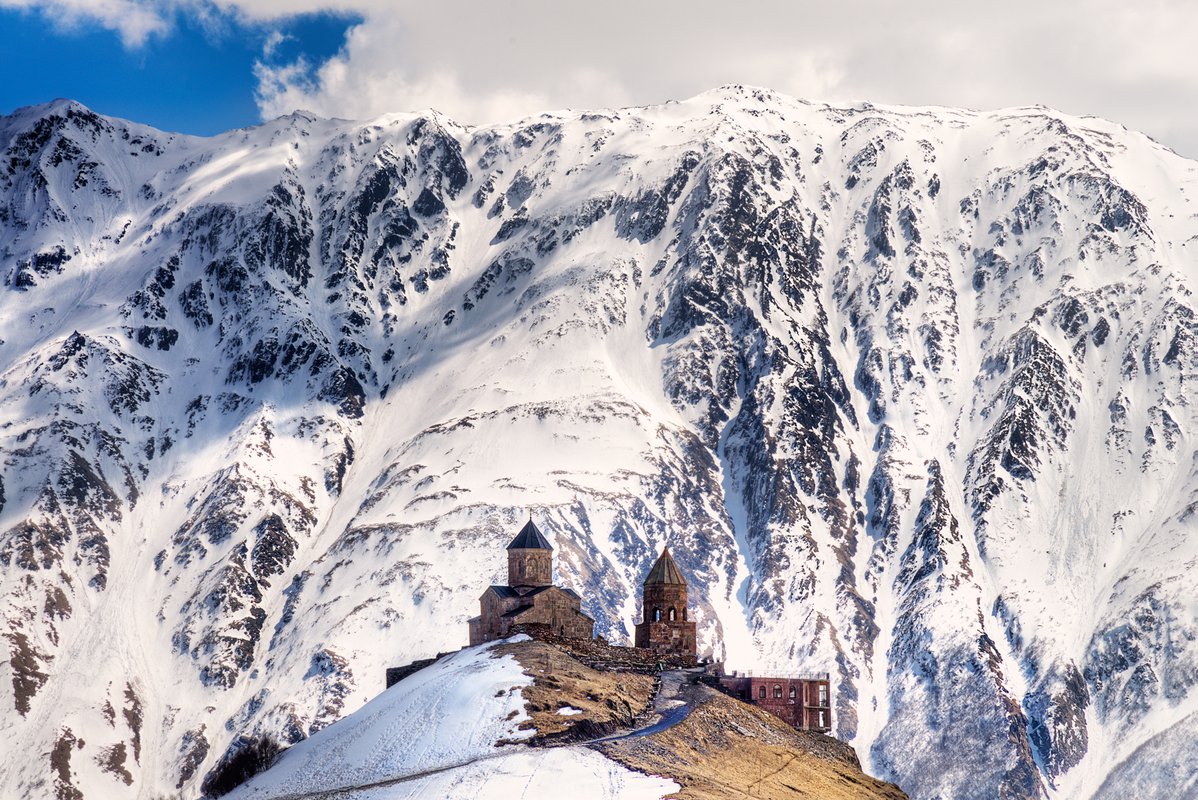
<point x="448" y="719"/>
<point x="530" y="774"/>
<point x="908" y="391"/>
<point x="453" y="712"/>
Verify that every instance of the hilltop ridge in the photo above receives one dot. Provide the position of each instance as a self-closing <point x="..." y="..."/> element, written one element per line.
<point x="409" y="741"/>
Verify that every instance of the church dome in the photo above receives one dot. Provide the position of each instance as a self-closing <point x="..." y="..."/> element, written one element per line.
<point x="665" y="571"/>
<point x="530" y="538"/>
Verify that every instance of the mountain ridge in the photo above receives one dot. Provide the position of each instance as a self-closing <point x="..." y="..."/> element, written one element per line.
<point x="845" y="361"/>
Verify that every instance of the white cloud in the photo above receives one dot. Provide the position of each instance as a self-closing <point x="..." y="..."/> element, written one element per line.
<point x="135" y="21"/>
<point x="273" y="40"/>
<point x="407" y="73"/>
<point x="132" y="20"/>
<point x="489" y="60"/>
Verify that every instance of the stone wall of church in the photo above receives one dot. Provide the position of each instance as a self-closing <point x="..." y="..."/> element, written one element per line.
<point x="489" y="624"/>
<point x="667" y="638"/>
<point x="553" y="607"/>
<point x="561" y="612"/>
<point x="529" y="567"/>
<point x="660" y="601"/>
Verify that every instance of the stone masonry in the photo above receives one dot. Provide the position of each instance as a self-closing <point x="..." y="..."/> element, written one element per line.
<point x="530" y="598"/>
<point x="664" y="627"/>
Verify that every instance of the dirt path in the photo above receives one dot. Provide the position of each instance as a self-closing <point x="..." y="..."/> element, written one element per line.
<point x="673" y="703"/>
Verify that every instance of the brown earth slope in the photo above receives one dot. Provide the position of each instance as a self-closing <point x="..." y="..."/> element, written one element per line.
<point x="607" y="701"/>
<point x="729" y="749"/>
<point x="723" y="749"/>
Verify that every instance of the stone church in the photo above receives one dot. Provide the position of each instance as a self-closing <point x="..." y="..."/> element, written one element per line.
<point x="530" y="596"/>
<point x="664" y="627"/>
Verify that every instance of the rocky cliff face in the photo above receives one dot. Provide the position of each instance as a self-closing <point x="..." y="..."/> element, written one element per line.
<point x="907" y="391"/>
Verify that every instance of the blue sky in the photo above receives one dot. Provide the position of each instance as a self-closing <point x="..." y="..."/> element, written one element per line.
<point x="195" y="77"/>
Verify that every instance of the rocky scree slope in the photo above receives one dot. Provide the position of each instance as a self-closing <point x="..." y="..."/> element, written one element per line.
<point x="907" y="391"/>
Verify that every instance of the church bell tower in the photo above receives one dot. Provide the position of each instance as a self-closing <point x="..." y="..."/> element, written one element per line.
<point x="664" y="627"/>
<point x="529" y="559"/>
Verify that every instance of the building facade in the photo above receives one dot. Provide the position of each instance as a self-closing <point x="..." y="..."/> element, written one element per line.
<point x="664" y="627"/>
<point x="530" y="596"/>
<point x="804" y="703"/>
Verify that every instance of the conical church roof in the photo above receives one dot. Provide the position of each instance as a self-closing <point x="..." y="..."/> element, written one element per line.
<point x="665" y="570"/>
<point x="529" y="538"/>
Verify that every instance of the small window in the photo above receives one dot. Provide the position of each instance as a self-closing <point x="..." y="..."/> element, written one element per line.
<point x="671" y="615"/>
<point x="792" y="691"/>
<point x="777" y="691"/>
<point x="684" y="613"/>
<point x="657" y="615"/>
<point x="823" y="698"/>
<point x="761" y="692"/>
<point x="821" y="720"/>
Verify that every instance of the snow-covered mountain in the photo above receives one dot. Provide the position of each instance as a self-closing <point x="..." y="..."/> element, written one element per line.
<point x="907" y="391"/>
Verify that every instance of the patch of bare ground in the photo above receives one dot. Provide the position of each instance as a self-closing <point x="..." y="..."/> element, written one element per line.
<point x="729" y="749"/>
<point x="605" y="701"/>
<point x="112" y="759"/>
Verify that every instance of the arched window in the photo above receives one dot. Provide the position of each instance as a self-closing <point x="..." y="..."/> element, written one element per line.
<point x="761" y="692"/>
<point x="672" y="615"/>
<point x="792" y="691"/>
<point x="657" y="615"/>
<point x="684" y="613"/>
<point x="777" y="691"/>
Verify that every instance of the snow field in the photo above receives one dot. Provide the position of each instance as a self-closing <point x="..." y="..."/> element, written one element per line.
<point x="449" y="713"/>
<point x="574" y="772"/>
<point x="446" y="720"/>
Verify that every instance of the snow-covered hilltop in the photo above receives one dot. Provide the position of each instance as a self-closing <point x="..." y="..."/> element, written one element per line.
<point x="442" y="725"/>
<point x="908" y="392"/>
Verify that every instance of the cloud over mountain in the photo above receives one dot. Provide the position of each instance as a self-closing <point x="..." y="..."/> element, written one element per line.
<point x="492" y="62"/>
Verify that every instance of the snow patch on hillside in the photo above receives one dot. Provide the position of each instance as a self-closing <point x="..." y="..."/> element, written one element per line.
<point x="575" y="772"/>
<point x="437" y="733"/>
<point x="452" y="712"/>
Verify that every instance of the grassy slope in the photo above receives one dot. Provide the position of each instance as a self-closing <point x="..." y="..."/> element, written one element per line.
<point x="724" y="749"/>
<point x="729" y="749"/>
<point x="608" y="700"/>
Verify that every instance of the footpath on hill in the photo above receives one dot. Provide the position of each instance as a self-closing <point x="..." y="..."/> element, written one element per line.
<point x="644" y="735"/>
<point x="676" y="696"/>
<point x="721" y="747"/>
<point x="670" y="705"/>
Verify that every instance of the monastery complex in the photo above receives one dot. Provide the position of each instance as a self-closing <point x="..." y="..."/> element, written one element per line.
<point x="531" y="601"/>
